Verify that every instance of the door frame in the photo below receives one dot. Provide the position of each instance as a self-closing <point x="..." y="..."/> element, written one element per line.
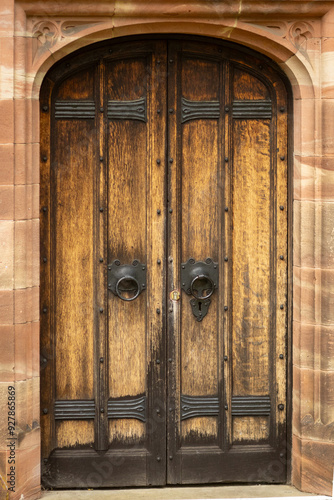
<point x="245" y="50"/>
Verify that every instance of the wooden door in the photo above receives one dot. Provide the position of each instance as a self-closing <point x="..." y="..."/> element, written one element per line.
<point x="164" y="267"/>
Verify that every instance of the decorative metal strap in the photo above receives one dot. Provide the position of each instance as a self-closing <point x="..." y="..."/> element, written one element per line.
<point x="74" y="410"/>
<point x="195" y="110"/>
<point x="251" y="405"/>
<point x="252" y="109"/>
<point x="78" y="110"/>
<point x="129" y="407"/>
<point x="199" y="406"/>
<point x="127" y="110"/>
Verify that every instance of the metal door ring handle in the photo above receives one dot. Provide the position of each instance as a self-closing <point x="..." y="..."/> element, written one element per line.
<point x="197" y="294"/>
<point x="136" y="288"/>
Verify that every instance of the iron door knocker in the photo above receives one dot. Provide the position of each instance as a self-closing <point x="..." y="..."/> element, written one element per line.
<point x="126" y="281"/>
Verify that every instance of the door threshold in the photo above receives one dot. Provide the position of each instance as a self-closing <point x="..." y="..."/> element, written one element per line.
<point x="254" y="492"/>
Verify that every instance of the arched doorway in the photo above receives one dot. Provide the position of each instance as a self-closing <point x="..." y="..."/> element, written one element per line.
<point x="164" y="288"/>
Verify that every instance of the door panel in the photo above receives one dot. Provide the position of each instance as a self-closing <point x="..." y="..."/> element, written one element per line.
<point x="154" y="153"/>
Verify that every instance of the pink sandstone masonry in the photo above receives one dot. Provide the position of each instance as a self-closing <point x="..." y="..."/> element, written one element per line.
<point x="299" y="36"/>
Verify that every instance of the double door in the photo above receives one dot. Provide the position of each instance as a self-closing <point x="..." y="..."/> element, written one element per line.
<point x="163" y="266"/>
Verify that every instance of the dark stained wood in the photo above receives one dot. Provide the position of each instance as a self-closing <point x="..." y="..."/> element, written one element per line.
<point x="127" y="173"/>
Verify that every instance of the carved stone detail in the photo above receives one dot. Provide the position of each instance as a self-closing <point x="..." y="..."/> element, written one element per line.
<point x="297" y="33"/>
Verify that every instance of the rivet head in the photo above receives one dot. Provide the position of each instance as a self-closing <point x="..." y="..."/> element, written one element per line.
<point x="226" y="209"/>
<point x="281" y="207"/>
<point x="171" y="110"/>
<point x="158" y="111"/>
<point x="158" y="211"/>
<point x="281" y="257"/>
<point x="282" y="109"/>
<point x="45" y="411"/>
<point x="101" y="309"/>
<point x="170" y="210"/>
<point x="158" y="161"/>
<point x="281" y="356"/>
<point x="227" y="109"/>
<point x="170" y="457"/>
<point x="101" y="360"/>
<point x="159" y="262"/>
<point x="45" y="460"/>
<point x="101" y="259"/>
<point x="45" y="260"/>
<point x="281" y="407"/>
<point x="171" y="60"/>
<point x="281" y="455"/>
<point x="101" y="410"/>
<point x="101" y="209"/>
<point x="101" y="158"/>
<point x="158" y="459"/>
<point x="226" y="407"/>
<point x="45" y="108"/>
<point x="45" y="158"/>
<point x="282" y="157"/>
<point x="158" y="361"/>
<point x="226" y="159"/>
<point x="171" y="160"/>
<point x="281" y="306"/>
<point x="158" y="310"/>
<point x="226" y="258"/>
<point x="45" y="209"/>
<point x="170" y="360"/>
<point x="101" y="109"/>
<point x="225" y="308"/>
<point x="225" y="358"/>
<point x="45" y="310"/>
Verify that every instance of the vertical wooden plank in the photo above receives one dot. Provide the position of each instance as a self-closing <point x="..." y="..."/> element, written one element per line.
<point x="72" y="251"/>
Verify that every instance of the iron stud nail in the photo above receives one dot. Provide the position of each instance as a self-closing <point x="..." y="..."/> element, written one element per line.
<point x="158" y="161"/>
<point x="215" y="267"/>
<point x="183" y="267"/>
<point x="282" y="109"/>
<point x="226" y="209"/>
<point x="281" y="306"/>
<point x="226" y="159"/>
<point x="281" y="455"/>
<point x="109" y="268"/>
<point x="281" y="356"/>
<point x="158" y="459"/>
<point x="169" y="360"/>
<point x="157" y="411"/>
<point x="159" y="111"/>
<point x="45" y="310"/>
<point x="226" y="258"/>
<point x="101" y="109"/>
<point x="101" y="360"/>
<point x="225" y="358"/>
<point x="143" y="286"/>
<point x="170" y="457"/>
<point x="170" y="210"/>
<point x="281" y="207"/>
<point x="45" y="108"/>
<point x="143" y="268"/>
<point x="101" y="209"/>
<point x="101" y="259"/>
<point x="158" y="311"/>
<point x="101" y="158"/>
<point x="226" y="407"/>
<point x="158" y="361"/>
<point x="45" y="209"/>
<point x="45" y="158"/>
<point x="281" y="257"/>
<point x="281" y="407"/>
<point x="158" y="62"/>
<point x="159" y="262"/>
<point x="45" y="460"/>
<point x="225" y="308"/>
<point x="171" y="60"/>
<point x="171" y="160"/>
<point x="101" y="309"/>
<point x="45" y="411"/>
<point x="282" y="157"/>
<point x="227" y="109"/>
<point x="158" y="211"/>
<point x="45" y="360"/>
<point x="171" y="111"/>
<point x="102" y="410"/>
<point x="45" y="259"/>
<point x="109" y="285"/>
